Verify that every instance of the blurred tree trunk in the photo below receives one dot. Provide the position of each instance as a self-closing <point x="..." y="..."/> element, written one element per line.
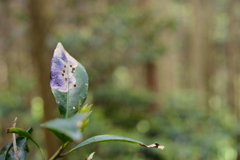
<point x="197" y="46"/>
<point x="39" y="29"/>
<point x="152" y="82"/>
<point x="151" y="75"/>
<point x="233" y="57"/>
<point x="5" y="62"/>
<point x="208" y="53"/>
<point x="150" y="68"/>
<point x="185" y="57"/>
<point x="202" y="54"/>
<point x="6" y="30"/>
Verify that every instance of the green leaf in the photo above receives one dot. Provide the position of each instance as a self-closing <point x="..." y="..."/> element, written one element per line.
<point x="5" y="148"/>
<point x="60" y="136"/>
<point x="4" y="151"/>
<point x="107" y="138"/>
<point x="69" y="128"/>
<point x="27" y="135"/>
<point x="68" y="81"/>
<point x="85" y="108"/>
<point x="7" y="152"/>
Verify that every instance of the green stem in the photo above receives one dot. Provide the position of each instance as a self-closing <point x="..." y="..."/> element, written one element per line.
<point x="57" y="154"/>
<point x="66" y="153"/>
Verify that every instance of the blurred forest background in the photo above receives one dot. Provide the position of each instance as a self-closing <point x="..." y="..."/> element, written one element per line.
<point x="160" y="71"/>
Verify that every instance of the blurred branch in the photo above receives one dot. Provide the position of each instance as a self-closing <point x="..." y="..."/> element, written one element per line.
<point x="14" y="139"/>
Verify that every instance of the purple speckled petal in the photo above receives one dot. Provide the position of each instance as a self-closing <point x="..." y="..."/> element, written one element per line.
<point x="56" y="80"/>
<point x="64" y="58"/>
<point x="61" y="75"/>
<point x="57" y="63"/>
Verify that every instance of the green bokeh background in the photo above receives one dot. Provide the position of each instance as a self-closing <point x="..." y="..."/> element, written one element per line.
<point x="192" y="45"/>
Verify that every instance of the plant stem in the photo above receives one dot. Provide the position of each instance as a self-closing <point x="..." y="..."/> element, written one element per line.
<point x="66" y="153"/>
<point x="14" y="140"/>
<point x="59" y="151"/>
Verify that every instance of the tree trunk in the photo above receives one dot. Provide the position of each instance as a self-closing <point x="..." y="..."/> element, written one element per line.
<point x="233" y="58"/>
<point x="5" y="62"/>
<point x="6" y="30"/>
<point x="42" y="61"/>
<point x="152" y="82"/>
<point x="233" y="63"/>
<point x="209" y="53"/>
<point x="151" y="75"/>
<point x="197" y="47"/>
<point x="202" y="54"/>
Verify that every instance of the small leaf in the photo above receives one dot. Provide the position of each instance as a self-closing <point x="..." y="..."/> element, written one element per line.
<point x="5" y="148"/>
<point x="68" y="81"/>
<point x="68" y="127"/>
<point x="8" y="151"/>
<point x="22" y="148"/>
<point x="4" y="151"/>
<point x="27" y="135"/>
<point x="85" y="108"/>
<point x="90" y="157"/>
<point x="85" y="124"/>
<point x="107" y="138"/>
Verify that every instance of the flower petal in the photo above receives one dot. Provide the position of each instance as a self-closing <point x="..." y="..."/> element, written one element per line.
<point x="62" y="69"/>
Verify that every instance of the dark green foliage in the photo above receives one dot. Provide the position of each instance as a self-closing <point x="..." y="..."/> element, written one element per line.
<point x="67" y="129"/>
<point x="131" y="102"/>
<point x="188" y="130"/>
<point x="7" y="152"/>
<point x="69" y="84"/>
<point x="191" y="129"/>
